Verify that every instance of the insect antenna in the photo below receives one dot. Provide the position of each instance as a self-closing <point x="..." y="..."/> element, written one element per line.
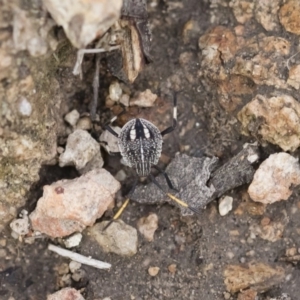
<point x="172" y="197"/>
<point x="124" y="205"/>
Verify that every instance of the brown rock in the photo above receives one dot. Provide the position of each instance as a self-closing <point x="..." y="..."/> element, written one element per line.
<point x="258" y="276"/>
<point x="294" y="77"/>
<point x="275" y="119"/>
<point x="147" y="226"/>
<point x="144" y="99"/>
<point x="274" y="177"/>
<point x="271" y="231"/>
<point x="266" y="13"/>
<point x="242" y="9"/>
<point x="66" y="294"/>
<point x="289" y="16"/>
<point x="247" y="295"/>
<point x="68" y="206"/>
<point x="153" y="271"/>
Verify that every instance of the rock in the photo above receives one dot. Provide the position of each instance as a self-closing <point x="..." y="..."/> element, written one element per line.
<point x="147" y="226"/>
<point x="225" y="205"/>
<point x="96" y="162"/>
<point x="121" y="175"/>
<point x="74" y="266"/>
<point x="275" y="119"/>
<point x="72" y="117"/>
<point x="20" y="226"/>
<point x="282" y="297"/>
<point x="80" y="149"/>
<point x="125" y="99"/>
<point x="24" y="107"/>
<point x="68" y="206"/>
<point x="82" y="20"/>
<point x="289" y="16"/>
<point x="153" y="271"/>
<point x="109" y="141"/>
<point x="172" y="268"/>
<point x="274" y="177"/>
<point x="189" y="175"/>
<point x="144" y="99"/>
<point x="247" y="295"/>
<point x="115" y="91"/>
<point x="118" y="238"/>
<point x="271" y="232"/>
<point x="258" y="276"/>
<point x="66" y="294"/>
<point x="84" y="123"/>
<point x="294" y="77"/>
<point x="235" y="77"/>
<point x="242" y="10"/>
<point x="73" y="240"/>
<point x="266" y="13"/>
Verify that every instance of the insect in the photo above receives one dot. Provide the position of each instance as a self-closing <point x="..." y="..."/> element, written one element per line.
<point x="140" y="143"/>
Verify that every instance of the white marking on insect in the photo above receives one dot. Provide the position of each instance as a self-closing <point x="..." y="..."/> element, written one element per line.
<point x="146" y="132"/>
<point x="133" y="133"/>
<point x="175" y="112"/>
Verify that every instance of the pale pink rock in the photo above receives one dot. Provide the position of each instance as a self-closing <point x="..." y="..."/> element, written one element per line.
<point x="68" y="206"/>
<point x="273" y="179"/>
<point x="66" y="294"/>
<point x="144" y="99"/>
<point x="147" y="226"/>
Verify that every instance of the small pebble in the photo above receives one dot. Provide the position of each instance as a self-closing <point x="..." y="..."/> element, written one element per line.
<point x="3" y="242"/>
<point x="225" y="205"/>
<point x="121" y="175"/>
<point x="84" y="123"/>
<point x="291" y="251"/>
<point x="265" y="221"/>
<point x="25" y="107"/>
<point x="147" y="226"/>
<point x="3" y="253"/>
<point x="226" y="296"/>
<point x="73" y="240"/>
<point x="242" y="260"/>
<point x="78" y="275"/>
<point x="230" y="255"/>
<point x="20" y="226"/>
<point x="72" y="117"/>
<point x="144" y="99"/>
<point x="74" y="266"/>
<point x="153" y="271"/>
<point x="124" y="100"/>
<point x="172" y="268"/>
<point x="115" y="91"/>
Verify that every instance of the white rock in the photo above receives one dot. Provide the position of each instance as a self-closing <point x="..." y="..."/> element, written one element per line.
<point x="74" y="266"/>
<point x="115" y="91"/>
<point x="84" y="123"/>
<point x="80" y="149"/>
<point x="73" y="240"/>
<point x="109" y="141"/>
<point x="225" y="205"/>
<point x="274" y="177"/>
<point x="20" y="226"/>
<point x="97" y="162"/>
<point x="125" y="99"/>
<point x="144" y="99"/>
<point x="118" y="238"/>
<point x="147" y="226"/>
<point x="24" y="106"/>
<point x="72" y="117"/>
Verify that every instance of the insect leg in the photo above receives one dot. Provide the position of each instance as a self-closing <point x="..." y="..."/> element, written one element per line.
<point x="124" y="205"/>
<point x="177" y="200"/>
<point x="168" y="180"/>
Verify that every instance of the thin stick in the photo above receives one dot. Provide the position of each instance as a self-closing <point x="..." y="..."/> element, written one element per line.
<point x="80" y="53"/>
<point x="79" y="258"/>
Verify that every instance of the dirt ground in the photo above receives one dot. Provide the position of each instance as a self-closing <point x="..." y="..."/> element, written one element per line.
<point x="200" y="247"/>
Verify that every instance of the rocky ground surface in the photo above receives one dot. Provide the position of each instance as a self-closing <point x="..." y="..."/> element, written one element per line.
<point x="234" y="65"/>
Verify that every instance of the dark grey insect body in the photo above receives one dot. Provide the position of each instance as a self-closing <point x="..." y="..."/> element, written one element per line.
<point x="140" y="143"/>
